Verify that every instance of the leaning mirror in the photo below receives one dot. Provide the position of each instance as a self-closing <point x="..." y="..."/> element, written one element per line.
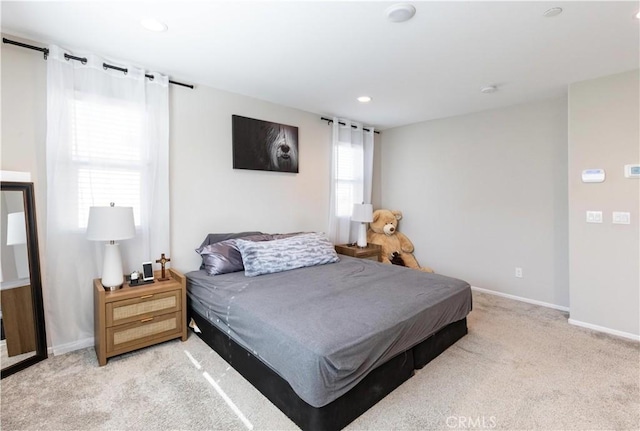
<point x="22" y="329"/>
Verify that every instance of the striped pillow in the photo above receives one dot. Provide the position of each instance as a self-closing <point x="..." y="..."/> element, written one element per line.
<point x="285" y="254"/>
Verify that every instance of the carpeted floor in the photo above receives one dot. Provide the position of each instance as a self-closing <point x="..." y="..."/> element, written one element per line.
<point x="520" y="367"/>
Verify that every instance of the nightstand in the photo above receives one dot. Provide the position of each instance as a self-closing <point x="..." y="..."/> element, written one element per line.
<point x="371" y="251"/>
<point x="134" y="317"/>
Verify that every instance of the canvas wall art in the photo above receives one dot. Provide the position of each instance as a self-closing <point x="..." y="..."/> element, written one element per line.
<point x="265" y="146"/>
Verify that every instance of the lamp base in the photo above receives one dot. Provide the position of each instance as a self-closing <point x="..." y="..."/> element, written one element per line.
<point x="362" y="235"/>
<point x="112" y="275"/>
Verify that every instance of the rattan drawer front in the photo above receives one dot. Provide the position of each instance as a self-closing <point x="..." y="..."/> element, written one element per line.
<point x="143" y="331"/>
<point x="132" y="310"/>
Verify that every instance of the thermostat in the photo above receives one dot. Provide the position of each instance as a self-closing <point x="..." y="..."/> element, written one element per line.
<point x="593" y="175"/>
<point x="632" y="171"/>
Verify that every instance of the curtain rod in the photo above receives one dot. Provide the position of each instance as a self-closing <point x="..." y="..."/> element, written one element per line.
<point x="329" y="121"/>
<point x="83" y="60"/>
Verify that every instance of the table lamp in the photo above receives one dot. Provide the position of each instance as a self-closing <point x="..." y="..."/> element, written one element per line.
<point x="111" y="224"/>
<point x="362" y="213"/>
<point x="17" y="237"/>
<point x="16" y="229"/>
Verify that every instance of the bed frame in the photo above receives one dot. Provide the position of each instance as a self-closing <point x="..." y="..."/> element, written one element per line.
<point x="342" y="411"/>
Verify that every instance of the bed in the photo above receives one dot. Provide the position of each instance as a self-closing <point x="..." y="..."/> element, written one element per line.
<point x="325" y="342"/>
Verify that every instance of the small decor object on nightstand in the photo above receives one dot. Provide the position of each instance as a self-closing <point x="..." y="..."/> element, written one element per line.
<point x="147" y="272"/>
<point x="162" y="261"/>
<point x="134" y="277"/>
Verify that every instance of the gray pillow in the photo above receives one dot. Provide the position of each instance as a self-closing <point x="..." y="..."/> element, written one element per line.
<point x="213" y="238"/>
<point x="223" y="256"/>
<point x="285" y="254"/>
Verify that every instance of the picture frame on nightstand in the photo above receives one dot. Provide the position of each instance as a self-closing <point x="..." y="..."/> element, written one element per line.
<point x="147" y="271"/>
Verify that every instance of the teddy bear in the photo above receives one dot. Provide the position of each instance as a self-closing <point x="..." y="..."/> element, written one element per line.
<point x="396" y="247"/>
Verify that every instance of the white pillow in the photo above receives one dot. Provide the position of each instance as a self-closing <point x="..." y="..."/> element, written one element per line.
<point x="279" y="255"/>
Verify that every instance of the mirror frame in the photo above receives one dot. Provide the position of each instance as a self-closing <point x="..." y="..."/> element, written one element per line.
<point x="34" y="271"/>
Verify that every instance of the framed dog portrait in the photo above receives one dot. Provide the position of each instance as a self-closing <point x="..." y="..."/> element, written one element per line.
<point x="264" y="146"/>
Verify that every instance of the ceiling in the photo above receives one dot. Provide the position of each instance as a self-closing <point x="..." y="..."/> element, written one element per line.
<point x="319" y="56"/>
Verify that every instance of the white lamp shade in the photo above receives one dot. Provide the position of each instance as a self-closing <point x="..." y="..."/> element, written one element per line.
<point x="110" y="223"/>
<point x="362" y="213"/>
<point x="16" y="229"/>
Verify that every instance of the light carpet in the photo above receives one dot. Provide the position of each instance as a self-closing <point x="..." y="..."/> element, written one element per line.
<point x="520" y="367"/>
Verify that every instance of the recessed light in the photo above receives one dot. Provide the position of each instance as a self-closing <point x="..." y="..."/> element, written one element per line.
<point x="489" y="89"/>
<point x="153" y="24"/>
<point x="554" y="11"/>
<point x="638" y="15"/>
<point x="400" y="12"/>
<point x="364" y="99"/>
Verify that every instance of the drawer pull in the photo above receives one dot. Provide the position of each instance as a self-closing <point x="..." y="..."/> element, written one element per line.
<point x="148" y="319"/>
<point x="146" y="296"/>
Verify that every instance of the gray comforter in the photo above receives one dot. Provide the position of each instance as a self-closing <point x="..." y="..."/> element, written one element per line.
<point x="325" y="327"/>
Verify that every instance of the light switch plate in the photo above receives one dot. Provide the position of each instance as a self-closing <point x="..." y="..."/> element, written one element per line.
<point x="594" y="216"/>
<point x="621" y="217"/>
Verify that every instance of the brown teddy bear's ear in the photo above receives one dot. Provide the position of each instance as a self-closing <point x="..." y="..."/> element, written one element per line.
<point x="376" y="215"/>
<point x="397" y="213"/>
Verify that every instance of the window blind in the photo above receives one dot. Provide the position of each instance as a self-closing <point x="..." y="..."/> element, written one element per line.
<point x="107" y="154"/>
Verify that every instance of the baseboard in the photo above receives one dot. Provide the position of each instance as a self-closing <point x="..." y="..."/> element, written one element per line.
<point x="66" y="348"/>
<point x="521" y="299"/>
<point x="574" y="322"/>
<point x="606" y="330"/>
<point x="70" y="347"/>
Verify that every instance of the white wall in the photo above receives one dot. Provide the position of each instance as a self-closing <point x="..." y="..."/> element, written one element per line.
<point x="604" y="123"/>
<point x="23" y="131"/>
<point x="24" y="112"/>
<point x="485" y="193"/>
<point x="208" y="195"/>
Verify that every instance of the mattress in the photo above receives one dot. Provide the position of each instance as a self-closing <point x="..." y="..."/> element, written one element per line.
<point x="324" y="328"/>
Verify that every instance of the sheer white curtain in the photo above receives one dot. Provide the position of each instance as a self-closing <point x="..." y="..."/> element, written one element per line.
<point x="107" y="141"/>
<point x="351" y="177"/>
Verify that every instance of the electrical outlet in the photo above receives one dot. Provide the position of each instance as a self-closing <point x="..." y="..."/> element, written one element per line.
<point x="518" y="272"/>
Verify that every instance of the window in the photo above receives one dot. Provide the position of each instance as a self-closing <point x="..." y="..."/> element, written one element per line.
<point x="107" y="154"/>
<point x="348" y="177"/>
<point x="107" y="141"/>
